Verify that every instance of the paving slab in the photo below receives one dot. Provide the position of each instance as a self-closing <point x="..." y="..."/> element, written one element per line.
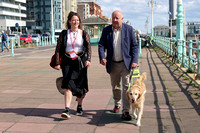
<point x="30" y="102"/>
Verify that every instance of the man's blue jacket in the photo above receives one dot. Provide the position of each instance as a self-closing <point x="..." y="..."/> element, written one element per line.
<point x="129" y="46"/>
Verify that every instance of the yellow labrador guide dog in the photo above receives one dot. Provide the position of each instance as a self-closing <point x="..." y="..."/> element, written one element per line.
<point x="136" y="96"/>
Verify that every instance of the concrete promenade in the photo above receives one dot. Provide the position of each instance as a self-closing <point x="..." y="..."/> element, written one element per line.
<point x="30" y="102"/>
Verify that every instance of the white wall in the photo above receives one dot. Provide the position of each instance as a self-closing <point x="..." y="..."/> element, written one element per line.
<point x="10" y="23"/>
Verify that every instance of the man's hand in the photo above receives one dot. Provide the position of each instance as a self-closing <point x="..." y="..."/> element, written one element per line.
<point x="103" y="62"/>
<point x="134" y="65"/>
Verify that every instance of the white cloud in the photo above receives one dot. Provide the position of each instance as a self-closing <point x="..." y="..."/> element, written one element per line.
<point x="161" y="9"/>
<point x="137" y="11"/>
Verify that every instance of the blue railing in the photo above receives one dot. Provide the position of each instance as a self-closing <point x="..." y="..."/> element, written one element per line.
<point x="188" y="52"/>
<point x="14" y="42"/>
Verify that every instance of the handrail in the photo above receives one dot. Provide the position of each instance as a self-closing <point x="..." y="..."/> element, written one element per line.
<point x="188" y="52"/>
<point x="15" y="42"/>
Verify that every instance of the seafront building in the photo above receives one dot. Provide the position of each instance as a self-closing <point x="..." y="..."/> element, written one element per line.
<point x="193" y="31"/>
<point x="12" y="13"/>
<point x="39" y="15"/>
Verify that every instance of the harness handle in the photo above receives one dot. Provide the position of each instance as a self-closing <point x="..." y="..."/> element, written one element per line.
<point x="135" y="73"/>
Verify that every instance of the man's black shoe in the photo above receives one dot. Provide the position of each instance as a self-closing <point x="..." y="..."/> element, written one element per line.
<point x="126" y="116"/>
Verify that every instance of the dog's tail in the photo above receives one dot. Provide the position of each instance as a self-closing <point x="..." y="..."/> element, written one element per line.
<point x="143" y="76"/>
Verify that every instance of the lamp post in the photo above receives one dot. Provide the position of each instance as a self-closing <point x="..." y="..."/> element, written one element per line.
<point x="170" y="24"/>
<point x="152" y="3"/>
<point x="20" y="25"/>
<point x="180" y="30"/>
<point x="171" y="28"/>
<point x="179" y="21"/>
<point x="52" y="25"/>
<point x="146" y="24"/>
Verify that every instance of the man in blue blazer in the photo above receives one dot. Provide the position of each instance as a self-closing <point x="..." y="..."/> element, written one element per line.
<point x="119" y="43"/>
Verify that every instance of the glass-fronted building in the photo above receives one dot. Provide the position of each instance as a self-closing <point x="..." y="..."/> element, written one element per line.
<point x="39" y="18"/>
<point x="193" y="31"/>
<point x="193" y="27"/>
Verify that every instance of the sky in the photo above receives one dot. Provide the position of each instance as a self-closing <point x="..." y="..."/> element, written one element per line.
<point x="137" y="11"/>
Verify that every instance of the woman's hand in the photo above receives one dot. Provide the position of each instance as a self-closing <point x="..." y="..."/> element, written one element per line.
<point x="57" y="67"/>
<point x="87" y="63"/>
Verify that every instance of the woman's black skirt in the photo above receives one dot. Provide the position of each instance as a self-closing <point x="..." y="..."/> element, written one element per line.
<point x="75" y="75"/>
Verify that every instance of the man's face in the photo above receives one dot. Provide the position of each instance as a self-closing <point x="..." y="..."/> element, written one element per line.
<point x="117" y="19"/>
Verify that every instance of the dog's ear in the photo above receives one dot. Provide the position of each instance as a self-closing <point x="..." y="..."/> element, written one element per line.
<point x="127" y="95"/>
<point x="139" y="95"/>
<point x="143" y="76"/>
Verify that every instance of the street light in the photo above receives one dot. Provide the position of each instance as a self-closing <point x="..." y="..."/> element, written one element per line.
<point x="170" y="25"/>
<point x="146" y="24"/>
<point x="52" y="25"/>
<point x="152" y="3"/>
<point x="20" y="25"/>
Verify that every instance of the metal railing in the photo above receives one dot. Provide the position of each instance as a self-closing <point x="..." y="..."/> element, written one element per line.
<point x="15" y="42"/>
<point x="186" y="53"/>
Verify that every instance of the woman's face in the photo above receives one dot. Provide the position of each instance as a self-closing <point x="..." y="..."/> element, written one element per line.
<point x="74" y="22"/>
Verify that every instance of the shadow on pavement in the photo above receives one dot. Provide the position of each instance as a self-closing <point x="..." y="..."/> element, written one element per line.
<point x="96" y="117"/>
<point x="110" y="118"/>
<point x="37" y="112"/>
<point x="184" y="89"/>
<point x="158" y="112"/>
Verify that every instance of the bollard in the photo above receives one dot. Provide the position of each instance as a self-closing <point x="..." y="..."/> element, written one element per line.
<point x="8" y="41"/>
<point x="50" y="40"/>
<point x="12" y="49"/>
<point x="45" y="41"/>
<point x="42" y="41"/>
<point x="37" y="39"/>
<point x="140" y="47"/>
<point x="198" y="58"/>
<point x="18" y="39"/>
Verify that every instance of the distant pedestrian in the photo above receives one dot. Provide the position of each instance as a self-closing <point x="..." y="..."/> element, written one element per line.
<point x="194" y="59"/>
<point x="3" y="41"/>
<point x="74" y="47"/>
<point x="194" y="56"/>
<point x="119" y="42"/>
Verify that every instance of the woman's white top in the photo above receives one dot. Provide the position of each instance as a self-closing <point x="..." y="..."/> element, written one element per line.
<point x="78" y="45"/>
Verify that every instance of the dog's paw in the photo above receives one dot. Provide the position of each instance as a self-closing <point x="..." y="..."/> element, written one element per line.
<point x="138" y="123"/>
<point x="135" y="116"/>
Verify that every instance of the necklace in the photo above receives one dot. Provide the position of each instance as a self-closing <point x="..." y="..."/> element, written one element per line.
<point x="74" y="34"/>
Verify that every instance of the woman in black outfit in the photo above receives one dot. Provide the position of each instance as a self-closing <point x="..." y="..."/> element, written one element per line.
<point x="74" y="47"/>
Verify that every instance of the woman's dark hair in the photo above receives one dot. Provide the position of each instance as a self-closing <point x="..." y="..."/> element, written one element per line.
<point x="71" y="14"/>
